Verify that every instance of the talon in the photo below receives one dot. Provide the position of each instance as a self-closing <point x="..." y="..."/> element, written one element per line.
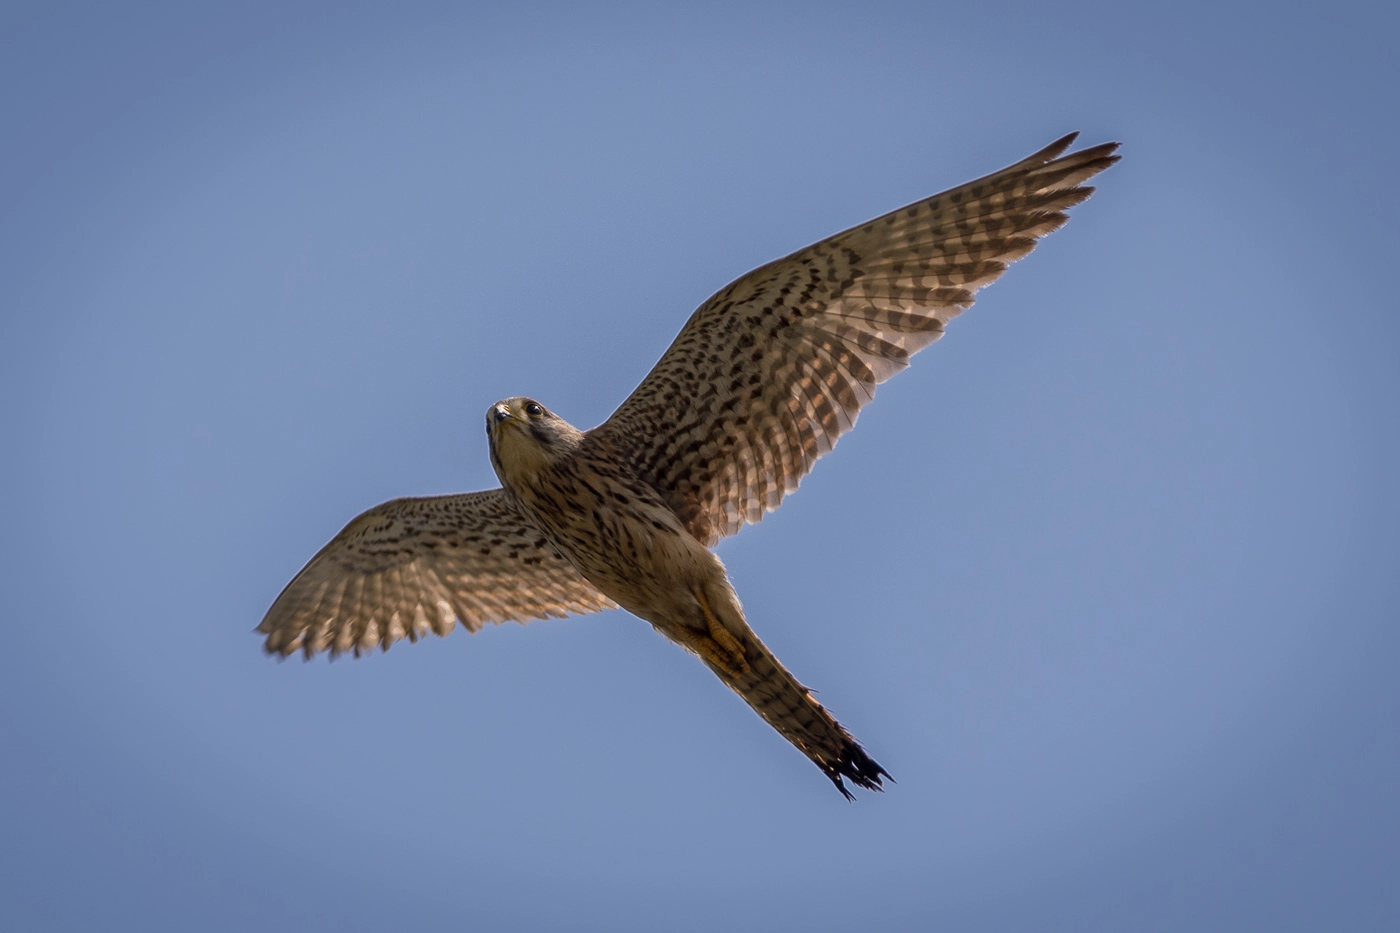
<point x="723" y="639"/>
<point x="715" y="656"/>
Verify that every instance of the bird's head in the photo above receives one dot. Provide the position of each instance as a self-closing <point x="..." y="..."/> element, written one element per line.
<point x="526" y="437"/>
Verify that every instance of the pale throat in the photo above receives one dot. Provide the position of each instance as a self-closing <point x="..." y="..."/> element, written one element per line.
<point x="519" y="457"/>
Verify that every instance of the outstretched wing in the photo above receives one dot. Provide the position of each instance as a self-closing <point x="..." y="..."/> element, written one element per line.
<point x="411" y="566"/>
<point x="769" y="372"/>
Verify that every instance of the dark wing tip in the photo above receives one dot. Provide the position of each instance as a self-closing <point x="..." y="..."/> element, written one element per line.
<point x="1059" y="146"/>
<point x="1101" y="156"/>
<point x="1106" y="151"/>
<point x="1055" y="148"/>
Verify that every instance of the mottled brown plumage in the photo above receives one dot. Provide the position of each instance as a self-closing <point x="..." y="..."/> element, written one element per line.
<point x="412" y="566"/>
<point x="762" y="380"/>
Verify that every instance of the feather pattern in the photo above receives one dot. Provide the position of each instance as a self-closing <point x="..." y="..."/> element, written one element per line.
<point x="762" y="381"/>
<point x="419" y="565"/>
<point x="773" y="369"/>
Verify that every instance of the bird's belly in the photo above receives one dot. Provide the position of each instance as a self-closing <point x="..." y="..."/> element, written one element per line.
<point x="636" y="552"/>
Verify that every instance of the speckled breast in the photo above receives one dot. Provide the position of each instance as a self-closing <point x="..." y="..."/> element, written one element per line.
<point x="616" y="530"/>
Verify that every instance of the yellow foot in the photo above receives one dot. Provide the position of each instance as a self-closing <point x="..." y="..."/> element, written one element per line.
<point x="721" y="647"/>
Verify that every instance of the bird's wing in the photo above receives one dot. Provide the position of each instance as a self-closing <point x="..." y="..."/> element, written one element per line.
<point x="768" y="373"/>
<point x="412" y="566"/>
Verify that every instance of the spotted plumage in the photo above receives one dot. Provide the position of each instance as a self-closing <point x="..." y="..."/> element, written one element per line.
<point x="762" y="380"/>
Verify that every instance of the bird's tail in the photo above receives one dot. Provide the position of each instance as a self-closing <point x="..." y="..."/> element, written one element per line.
<point x="746" y="665"/>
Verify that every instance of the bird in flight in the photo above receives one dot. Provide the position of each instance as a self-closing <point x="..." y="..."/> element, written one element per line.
<point x="762" y="380"/>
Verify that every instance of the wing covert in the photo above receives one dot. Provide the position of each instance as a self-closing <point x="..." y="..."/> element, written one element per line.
<point x="415" y="565"/>
<point x="770" y="371"/>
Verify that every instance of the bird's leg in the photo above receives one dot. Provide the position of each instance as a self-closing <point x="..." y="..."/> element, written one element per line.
<point x="722" y="646"/>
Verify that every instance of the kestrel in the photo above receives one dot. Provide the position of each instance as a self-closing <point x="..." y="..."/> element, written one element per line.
<point x="763" y="380"/>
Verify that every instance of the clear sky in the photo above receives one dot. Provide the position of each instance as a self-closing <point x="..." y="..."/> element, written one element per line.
<point x="1107" y="580"/>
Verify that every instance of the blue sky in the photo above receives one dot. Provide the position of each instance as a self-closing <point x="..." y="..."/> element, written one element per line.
<point x="1106" y="579"/>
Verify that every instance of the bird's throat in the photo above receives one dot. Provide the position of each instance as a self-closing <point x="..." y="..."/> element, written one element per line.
<point x="518" y="456"/>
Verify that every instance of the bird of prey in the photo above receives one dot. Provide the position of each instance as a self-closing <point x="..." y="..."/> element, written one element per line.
<point x="761" y="381"/>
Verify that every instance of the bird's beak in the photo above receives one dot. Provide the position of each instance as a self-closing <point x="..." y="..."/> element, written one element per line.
<point x="500" y="414"/>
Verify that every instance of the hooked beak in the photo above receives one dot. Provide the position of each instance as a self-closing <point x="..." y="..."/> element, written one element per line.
<point x="501" y="415"/>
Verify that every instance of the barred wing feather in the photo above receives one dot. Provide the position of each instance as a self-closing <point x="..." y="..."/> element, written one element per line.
<point x="413" y="566"/>
<point x="771" y="371"/>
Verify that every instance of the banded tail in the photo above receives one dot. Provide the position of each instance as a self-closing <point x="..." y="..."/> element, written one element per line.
<point x="748" y="668"/>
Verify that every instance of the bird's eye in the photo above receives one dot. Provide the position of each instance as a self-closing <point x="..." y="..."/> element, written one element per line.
<point x="534" y="409"/>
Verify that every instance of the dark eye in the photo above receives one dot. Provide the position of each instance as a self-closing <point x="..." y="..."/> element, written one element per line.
<point x="534" y="409"/>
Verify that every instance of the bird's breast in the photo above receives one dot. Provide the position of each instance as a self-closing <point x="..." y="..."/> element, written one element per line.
<point x="617" y="531"/>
